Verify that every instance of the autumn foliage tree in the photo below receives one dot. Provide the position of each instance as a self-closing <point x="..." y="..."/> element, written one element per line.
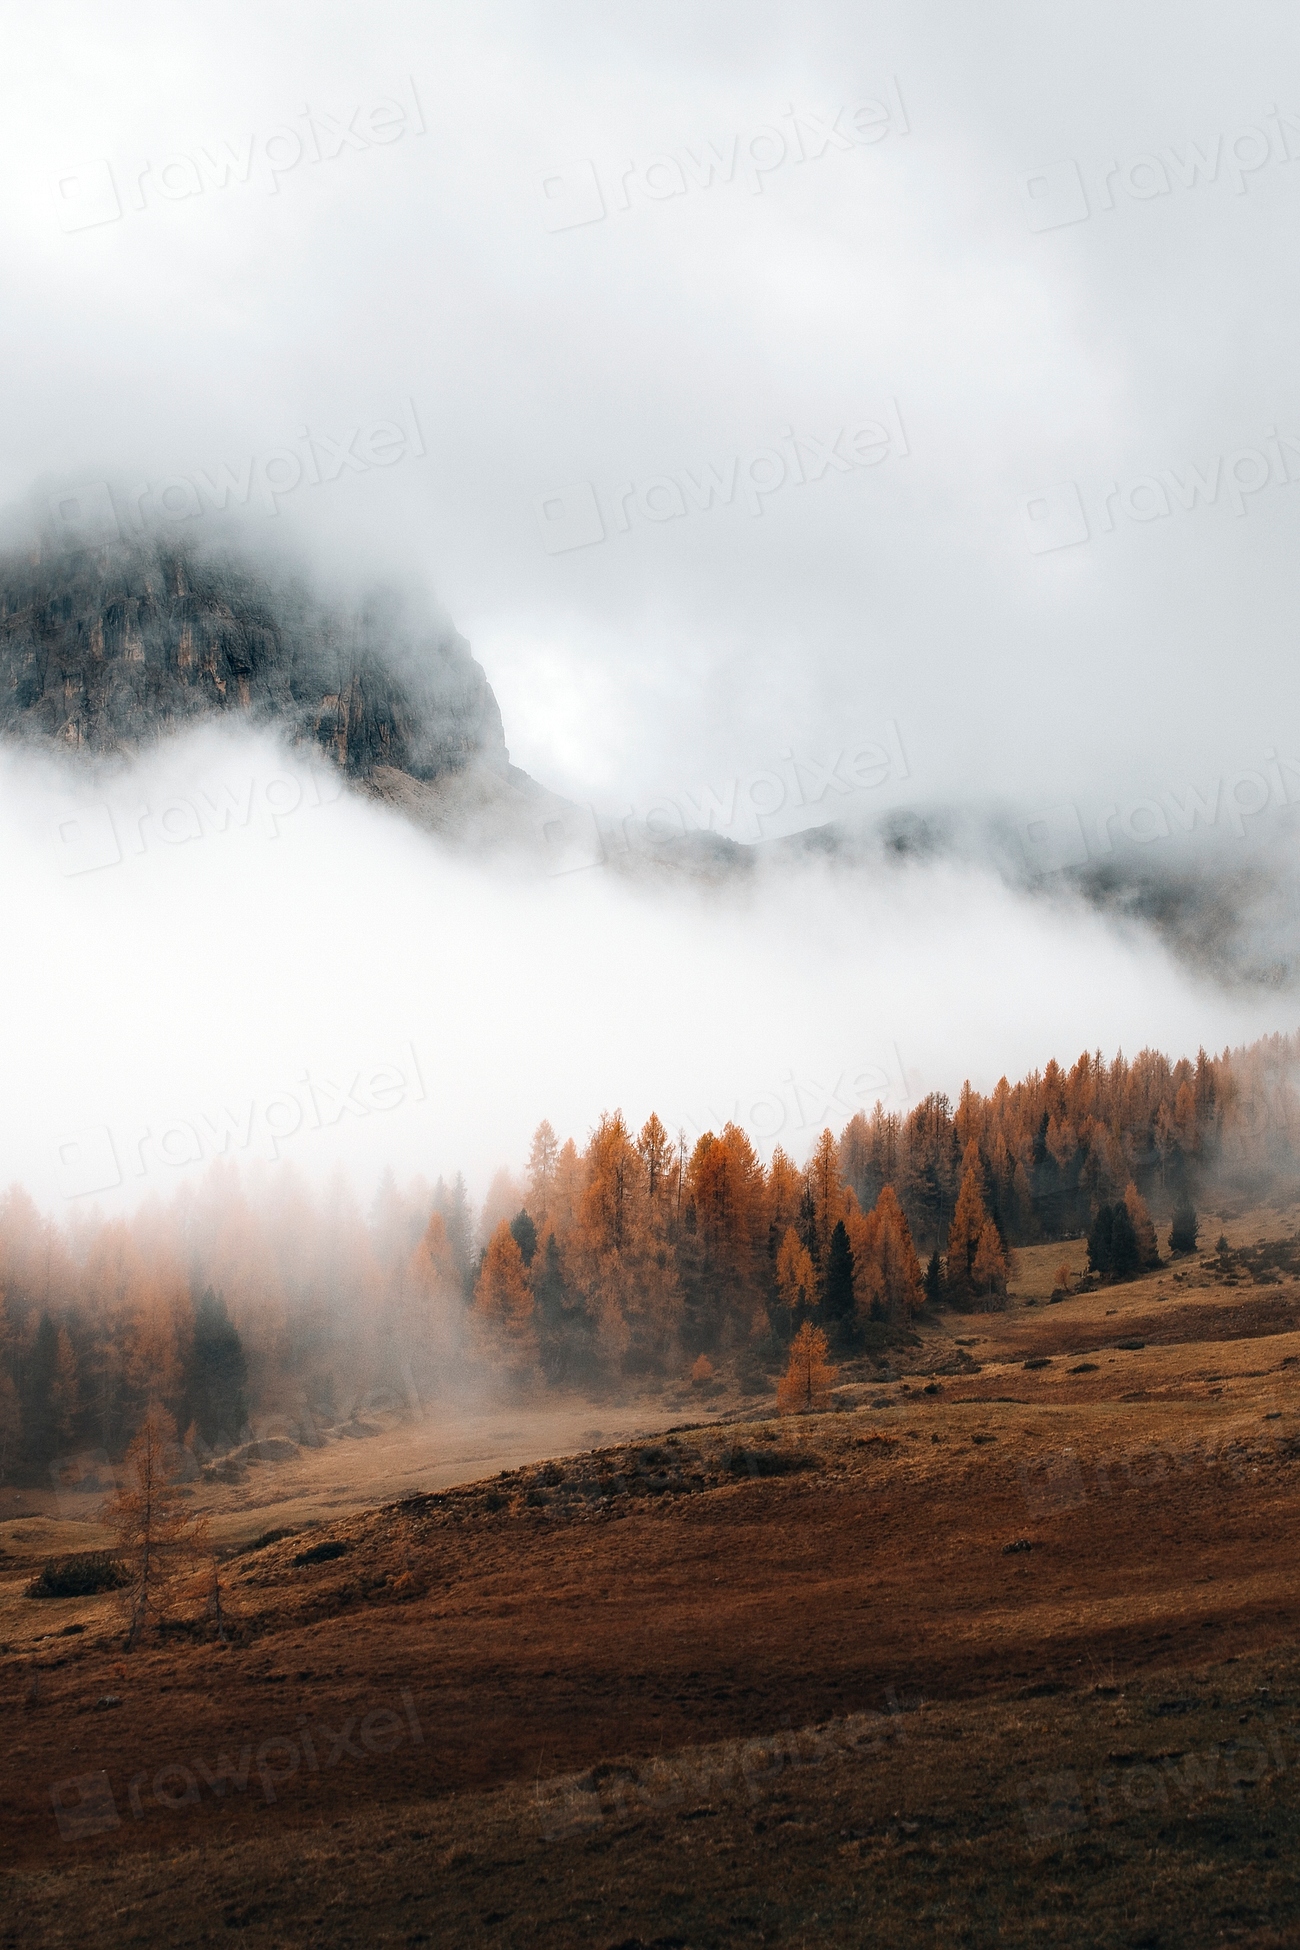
<point x="887" y="1273"/>
<point x="988" y="1272"/>
<point x="808" y="1380"/>
<point x="157" y="1538"/>
<point x="796" y="1277"/>
<point x="636" y="1252"/>
<point x="967" y="1228"/>
<point x="1144" y="1232"/>
<point x="503" y="1305"/>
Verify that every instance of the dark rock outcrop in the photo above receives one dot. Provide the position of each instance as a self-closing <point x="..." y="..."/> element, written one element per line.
<point x="110" y="649"/>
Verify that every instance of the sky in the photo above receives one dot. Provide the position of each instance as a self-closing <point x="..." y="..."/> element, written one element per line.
<point x="752" y="388"/>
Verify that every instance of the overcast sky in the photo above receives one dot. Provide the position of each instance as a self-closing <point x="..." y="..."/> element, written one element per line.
<point x="953" y="322"/>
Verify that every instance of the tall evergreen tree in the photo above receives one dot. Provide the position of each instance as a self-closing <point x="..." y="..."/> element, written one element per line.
<point x="65" y="1390"/>
<point x="1099" y="1239"/>
<point x="452" y="1202"/>
<point x="157" y="1536"/>
<point x="216" y="1381"/>
<point x="40" y="1411"/>
<point x="524" y="1234"/>
<point x="1182" y="1235"/>
<point x="837" y="1284"/>
<point x="933" y="1280"/>
<point x="565" y="1331"/>
<point x="504" y="1306"/>
<point x="1125" y="1253"/>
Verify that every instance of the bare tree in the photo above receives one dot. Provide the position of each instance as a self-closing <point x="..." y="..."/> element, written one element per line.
<point x="158" y="1539"/>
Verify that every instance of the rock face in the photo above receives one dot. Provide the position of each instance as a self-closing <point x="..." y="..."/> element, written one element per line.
<point x="108" y="650"/>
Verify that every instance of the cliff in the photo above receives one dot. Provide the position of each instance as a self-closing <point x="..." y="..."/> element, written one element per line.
<point x="110" y="649"/>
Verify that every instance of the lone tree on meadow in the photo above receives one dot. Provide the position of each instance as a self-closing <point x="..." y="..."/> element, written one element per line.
<point x="808" y="1380"/>
<point x="157" y="1538"/>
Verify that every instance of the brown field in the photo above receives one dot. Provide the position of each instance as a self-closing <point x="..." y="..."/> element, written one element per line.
<point x="1005" y="1656"/>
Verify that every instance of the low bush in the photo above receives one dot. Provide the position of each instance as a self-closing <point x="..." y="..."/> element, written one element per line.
<point x="321" y="1553"/>
<point x="79" y="1576"/>
<point x="769" y="1462"/>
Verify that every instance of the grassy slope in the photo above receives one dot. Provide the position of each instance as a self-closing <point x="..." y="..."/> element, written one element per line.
<point x="664" y="1599"/>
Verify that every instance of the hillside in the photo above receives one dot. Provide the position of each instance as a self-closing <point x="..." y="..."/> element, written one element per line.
<point x="938" y="1665"/>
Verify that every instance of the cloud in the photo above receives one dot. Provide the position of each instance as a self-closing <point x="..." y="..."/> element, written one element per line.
<point x="847" y="271"/>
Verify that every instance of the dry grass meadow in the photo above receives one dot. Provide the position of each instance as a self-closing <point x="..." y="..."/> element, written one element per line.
<point x="1003" y="1649"/>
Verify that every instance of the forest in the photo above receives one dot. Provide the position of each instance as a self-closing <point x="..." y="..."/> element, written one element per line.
<point x="243" y="1306"/>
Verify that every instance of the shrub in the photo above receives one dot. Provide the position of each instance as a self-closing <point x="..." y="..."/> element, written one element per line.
<point x="267" y="1537"/>
<point x="321" y="1553"/>
<point x="79" y="1576"/>
<point x="769" y="1462"/>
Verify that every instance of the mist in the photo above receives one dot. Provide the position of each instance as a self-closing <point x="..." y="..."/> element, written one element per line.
<point x="469" y="313"/>
<point x="382" y="999"/>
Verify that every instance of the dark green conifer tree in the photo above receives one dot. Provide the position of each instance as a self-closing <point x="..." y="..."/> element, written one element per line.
<point x="1099" y="1239"/>
<point x="1125" y="1254"/>
<point x="837" y="1286"/>
<point x="933" y="1280"/>
<point x="1182" y="1234"/>
<point x="524" y="1234"/>
<point x="216" y="1378"/>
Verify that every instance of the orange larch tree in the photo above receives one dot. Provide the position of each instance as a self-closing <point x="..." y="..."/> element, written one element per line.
<point x="156" y="1534"/>
<point x="796" y="1277"/>
<point x="503" y="1306"/>
<point x="808" y="1379"/>
<point x="988" y="1273"/>
<point x="969" y="1218"/>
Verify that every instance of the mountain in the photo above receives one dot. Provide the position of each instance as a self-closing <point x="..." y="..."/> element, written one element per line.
<point x="104" y="651"/>
<point x="110" y="649"/>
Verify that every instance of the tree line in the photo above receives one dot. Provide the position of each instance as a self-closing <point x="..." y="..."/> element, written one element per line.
<point x="627" y="1260"/>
